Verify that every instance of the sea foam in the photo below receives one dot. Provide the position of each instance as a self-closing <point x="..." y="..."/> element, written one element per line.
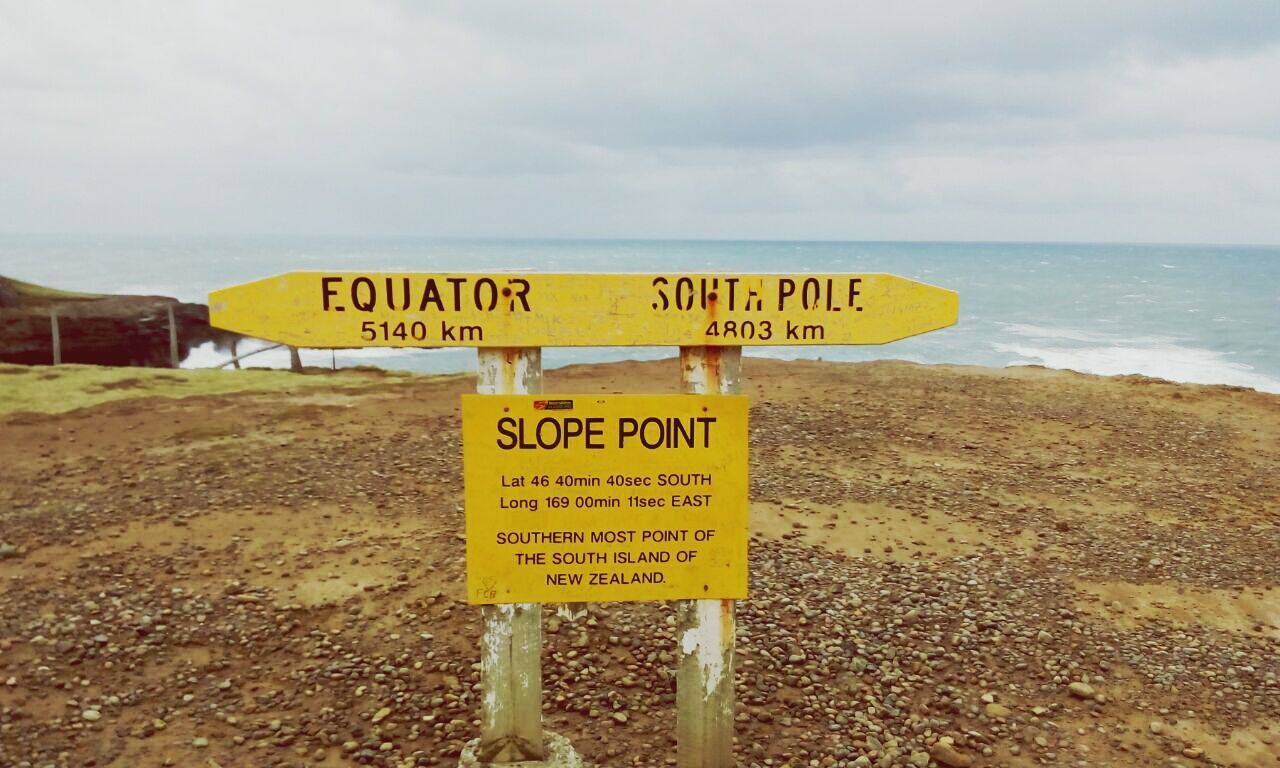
<point x="1174" y="362"/>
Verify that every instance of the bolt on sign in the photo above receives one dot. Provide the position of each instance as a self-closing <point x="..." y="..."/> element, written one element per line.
<point x="388" y="309"/>
<point x="589" y="498"/>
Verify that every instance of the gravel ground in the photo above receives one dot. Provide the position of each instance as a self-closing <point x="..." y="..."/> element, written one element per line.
<point x="949" y="567"/>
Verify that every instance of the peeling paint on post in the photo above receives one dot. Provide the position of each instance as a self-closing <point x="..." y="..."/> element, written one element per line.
<point x="705" y="628"/>
<point x="511" y="647"/>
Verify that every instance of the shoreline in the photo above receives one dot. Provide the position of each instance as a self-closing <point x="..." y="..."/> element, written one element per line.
<point x="1194" y="314"/>
<point x="454" y="361"/>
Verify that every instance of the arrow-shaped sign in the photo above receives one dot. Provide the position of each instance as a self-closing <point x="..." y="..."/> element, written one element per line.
<point x="399" y="309"/>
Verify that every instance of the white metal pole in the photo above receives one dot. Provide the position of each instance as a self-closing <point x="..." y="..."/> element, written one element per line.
<point x="705" y="628"/>
<point x="511" y="647"/>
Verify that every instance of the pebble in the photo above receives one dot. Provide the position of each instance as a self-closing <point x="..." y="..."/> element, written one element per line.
<point x="946" y="753"/>
<point x="92" y="715"/>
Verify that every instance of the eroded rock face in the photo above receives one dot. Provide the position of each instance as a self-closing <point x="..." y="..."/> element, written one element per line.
<point x="97" y="330"/>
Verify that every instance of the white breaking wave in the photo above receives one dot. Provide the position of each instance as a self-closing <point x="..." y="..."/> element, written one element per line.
<point x="1072" y="334"/>
<point x="206" y="356"/>
<point x="1164" y="361"/>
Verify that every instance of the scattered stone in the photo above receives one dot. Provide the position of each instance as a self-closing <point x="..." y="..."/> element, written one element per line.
<point x="946" y="753"/>
<point x="92" y="715"/>
<point x="1081" y="690"/>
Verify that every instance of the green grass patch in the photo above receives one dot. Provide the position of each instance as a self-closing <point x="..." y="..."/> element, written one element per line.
<point x="62" y="388"/>
<point x="33" y="291"/>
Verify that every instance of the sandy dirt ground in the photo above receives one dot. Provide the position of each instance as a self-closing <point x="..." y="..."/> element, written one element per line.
<point x="949" y="566"/>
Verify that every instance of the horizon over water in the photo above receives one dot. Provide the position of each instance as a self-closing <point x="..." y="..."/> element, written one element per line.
<point x="1193" y="313"/>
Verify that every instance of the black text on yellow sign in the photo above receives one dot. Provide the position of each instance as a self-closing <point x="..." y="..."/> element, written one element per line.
<point x="587" y="498"/>
<point x="388" y="309"/>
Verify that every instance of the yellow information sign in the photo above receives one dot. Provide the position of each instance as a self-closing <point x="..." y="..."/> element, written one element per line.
<point x="387" y="309"/>
<point x="578" y="498"/>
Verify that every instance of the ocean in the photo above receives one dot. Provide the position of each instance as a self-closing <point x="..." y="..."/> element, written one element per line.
<point x="1203" y="314"/>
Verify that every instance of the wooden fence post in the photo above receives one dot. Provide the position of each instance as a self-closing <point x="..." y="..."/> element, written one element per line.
<point x="511" y="646"/>
<point x="174" y="362"/>
<point x="705" y="628"/>
<point x="235" y="356"/>
<point x="57" y="338"/>
<point x="295" y="360"/>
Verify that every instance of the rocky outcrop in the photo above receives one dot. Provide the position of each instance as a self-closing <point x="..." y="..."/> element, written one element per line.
<point x="97" y="329"/>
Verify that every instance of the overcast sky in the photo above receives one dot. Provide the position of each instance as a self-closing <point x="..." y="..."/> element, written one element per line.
<point x="1116" y="120"/>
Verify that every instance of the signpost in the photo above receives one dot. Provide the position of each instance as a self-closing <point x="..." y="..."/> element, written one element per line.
<point x="599" y="499"/>
<point x="544" y="521"/>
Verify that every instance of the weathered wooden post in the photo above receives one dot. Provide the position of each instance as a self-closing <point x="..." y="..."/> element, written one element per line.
<point x="174" y="362"/>
<point x="295" y="360"/>
<point x="705" y="628"/>
<point x="511" y="645"/>
<point x="57" y="339"/>
<point x="235" y="356"/>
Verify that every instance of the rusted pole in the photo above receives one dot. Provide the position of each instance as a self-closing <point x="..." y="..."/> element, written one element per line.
<point x="705" y="628"/>
<point x="174" y="362"/>
<point x="57" y="338"/>
<point x="511" y="647"/>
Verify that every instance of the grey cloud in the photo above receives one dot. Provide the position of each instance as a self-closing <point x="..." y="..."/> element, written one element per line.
<point x="1090" y="120"/>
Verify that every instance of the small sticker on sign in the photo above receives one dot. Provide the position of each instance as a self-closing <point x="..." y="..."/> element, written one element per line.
<point x="553" y="405"/>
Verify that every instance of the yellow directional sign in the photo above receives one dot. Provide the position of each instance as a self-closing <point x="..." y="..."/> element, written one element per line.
<point x="387" y="309"/>
<point x="574" y="498"/>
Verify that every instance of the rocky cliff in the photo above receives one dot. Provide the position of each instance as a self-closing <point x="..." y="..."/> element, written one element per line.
<point x="97" y="329"/>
